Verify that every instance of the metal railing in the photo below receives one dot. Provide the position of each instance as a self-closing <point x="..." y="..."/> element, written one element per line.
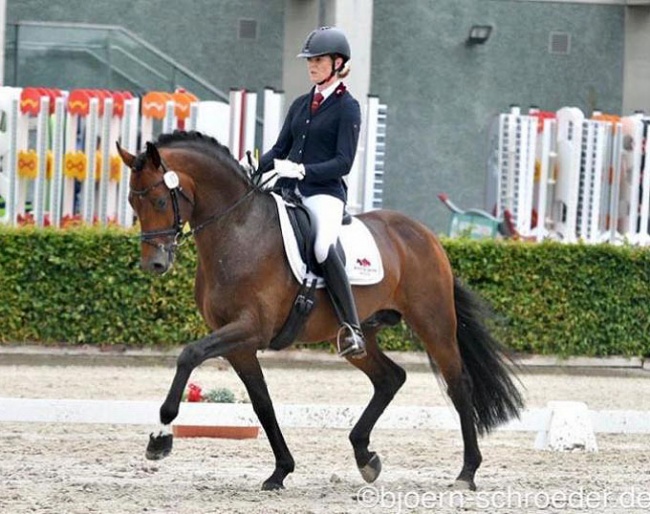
<point x="71" y="55"/>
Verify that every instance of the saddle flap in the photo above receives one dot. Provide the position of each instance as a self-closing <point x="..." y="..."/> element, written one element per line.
<point x="363" y="260"/>
<point x="305" y="234"/>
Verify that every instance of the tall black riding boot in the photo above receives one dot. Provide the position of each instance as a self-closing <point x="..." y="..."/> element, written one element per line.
<point x="338" y="287"/>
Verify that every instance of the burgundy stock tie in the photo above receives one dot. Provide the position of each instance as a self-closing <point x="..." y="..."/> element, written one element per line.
<point x="315" y="103"/>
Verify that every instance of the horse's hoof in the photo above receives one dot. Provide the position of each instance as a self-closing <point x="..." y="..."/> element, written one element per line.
<point x="159" y="446"/>
<point x="464" y="485"/>
<point x="271" y="486"/>
<point x="371" y="471"/>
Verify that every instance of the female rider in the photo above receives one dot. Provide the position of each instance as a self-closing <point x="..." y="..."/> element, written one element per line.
<point x="314" y="151"/>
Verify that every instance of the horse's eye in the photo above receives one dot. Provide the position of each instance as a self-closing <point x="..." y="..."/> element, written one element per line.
<point x="161" y="203"/>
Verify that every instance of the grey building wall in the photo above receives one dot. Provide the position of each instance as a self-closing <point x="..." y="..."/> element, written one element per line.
<point x="3" y="23"/>
<point x="202" y="35"/>
<point x="443" y="96"/>
<point x="636" y="92"/>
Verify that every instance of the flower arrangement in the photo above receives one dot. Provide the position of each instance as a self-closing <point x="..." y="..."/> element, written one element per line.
<point x="195" y="393"/>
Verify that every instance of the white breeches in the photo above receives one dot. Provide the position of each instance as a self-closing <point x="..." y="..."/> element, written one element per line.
<point x="327" y="214"/>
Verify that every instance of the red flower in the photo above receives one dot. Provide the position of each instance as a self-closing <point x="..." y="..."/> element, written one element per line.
<point x="194" y="393"/>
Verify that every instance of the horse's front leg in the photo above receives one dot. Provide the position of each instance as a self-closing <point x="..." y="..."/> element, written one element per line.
<point x="248" y="368"/>
<point x="220" y="342"/>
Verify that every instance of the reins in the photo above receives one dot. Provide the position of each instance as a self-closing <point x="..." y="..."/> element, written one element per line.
<point x="210" y="219"/>
<point x="254" y="187"/>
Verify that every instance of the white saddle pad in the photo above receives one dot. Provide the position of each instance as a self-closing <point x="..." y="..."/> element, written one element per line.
<point x="362" y="258"/>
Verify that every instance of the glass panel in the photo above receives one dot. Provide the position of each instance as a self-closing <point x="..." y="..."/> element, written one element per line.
<point x="71" y="56"/>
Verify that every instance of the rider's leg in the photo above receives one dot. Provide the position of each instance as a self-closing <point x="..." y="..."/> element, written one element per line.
<point x="338" y="286"/>
<point x="327" y="213"/>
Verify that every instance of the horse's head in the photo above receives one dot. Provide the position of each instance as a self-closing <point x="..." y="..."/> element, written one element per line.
<point x="159" y="197"/>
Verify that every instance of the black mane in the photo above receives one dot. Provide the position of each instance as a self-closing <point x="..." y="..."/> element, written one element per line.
<point x="194" y="139"/>
<point x="203" y="144"/>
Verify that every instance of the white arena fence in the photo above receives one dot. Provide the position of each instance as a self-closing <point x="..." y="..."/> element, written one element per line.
<point x="559" y="426"/>
<point x="566" y="177"/>
<point x="58" y="159"/>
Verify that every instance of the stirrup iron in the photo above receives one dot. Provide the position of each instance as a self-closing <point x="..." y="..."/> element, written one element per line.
<point x="355" y="349"/>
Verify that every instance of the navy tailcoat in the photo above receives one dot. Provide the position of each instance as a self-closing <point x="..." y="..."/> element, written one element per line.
<point x="324" y="142"/>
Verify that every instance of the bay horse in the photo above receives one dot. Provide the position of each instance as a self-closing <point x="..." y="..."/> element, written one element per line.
<point x="244" y="290"/>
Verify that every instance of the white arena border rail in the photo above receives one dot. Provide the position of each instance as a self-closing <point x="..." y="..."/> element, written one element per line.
<point x="540" y="420"/>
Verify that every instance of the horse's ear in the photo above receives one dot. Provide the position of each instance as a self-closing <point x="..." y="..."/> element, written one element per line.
<point x="127" y="158"/>
<point x="153" y="155"/>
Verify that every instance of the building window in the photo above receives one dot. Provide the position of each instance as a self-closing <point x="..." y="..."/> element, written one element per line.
<point x="247" y="29"/>
<point x="559" y="43"/>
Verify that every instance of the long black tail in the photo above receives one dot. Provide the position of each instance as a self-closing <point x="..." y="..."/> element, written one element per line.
<point x="495" y="398"/>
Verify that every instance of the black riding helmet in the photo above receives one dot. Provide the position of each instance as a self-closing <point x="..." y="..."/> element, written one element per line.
<point x="327" y="41"/>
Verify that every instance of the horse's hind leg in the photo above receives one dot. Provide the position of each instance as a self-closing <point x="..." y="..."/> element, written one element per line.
<point x="386" y="377"/>
<point x="248" y="368"/>
<point x="436" y="328"/>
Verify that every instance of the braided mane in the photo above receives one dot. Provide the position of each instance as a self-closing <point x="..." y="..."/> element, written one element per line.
<point x="203" y="144"/>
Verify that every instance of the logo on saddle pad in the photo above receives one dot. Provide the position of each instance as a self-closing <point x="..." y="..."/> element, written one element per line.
<point x="363" y="267"/>
<point x="363" y="261"/>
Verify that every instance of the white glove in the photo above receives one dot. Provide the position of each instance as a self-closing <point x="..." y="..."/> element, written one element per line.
<point x="251" y="166"/>
<point x="289" y="169"/>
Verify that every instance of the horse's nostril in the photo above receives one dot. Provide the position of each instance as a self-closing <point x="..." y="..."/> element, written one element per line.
<point x="158" y="267"/>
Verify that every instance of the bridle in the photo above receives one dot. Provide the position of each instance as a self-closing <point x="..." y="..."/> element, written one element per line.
<point x="176" y="233"/>
<point x="176" y="230"/>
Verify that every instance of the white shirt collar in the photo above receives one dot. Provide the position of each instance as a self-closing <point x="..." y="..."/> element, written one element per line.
<point x="329" y="90"/>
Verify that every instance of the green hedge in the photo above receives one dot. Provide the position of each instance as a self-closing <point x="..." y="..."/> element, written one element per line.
<point x="561" y="299"/>
<point x="85" y="286"/>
